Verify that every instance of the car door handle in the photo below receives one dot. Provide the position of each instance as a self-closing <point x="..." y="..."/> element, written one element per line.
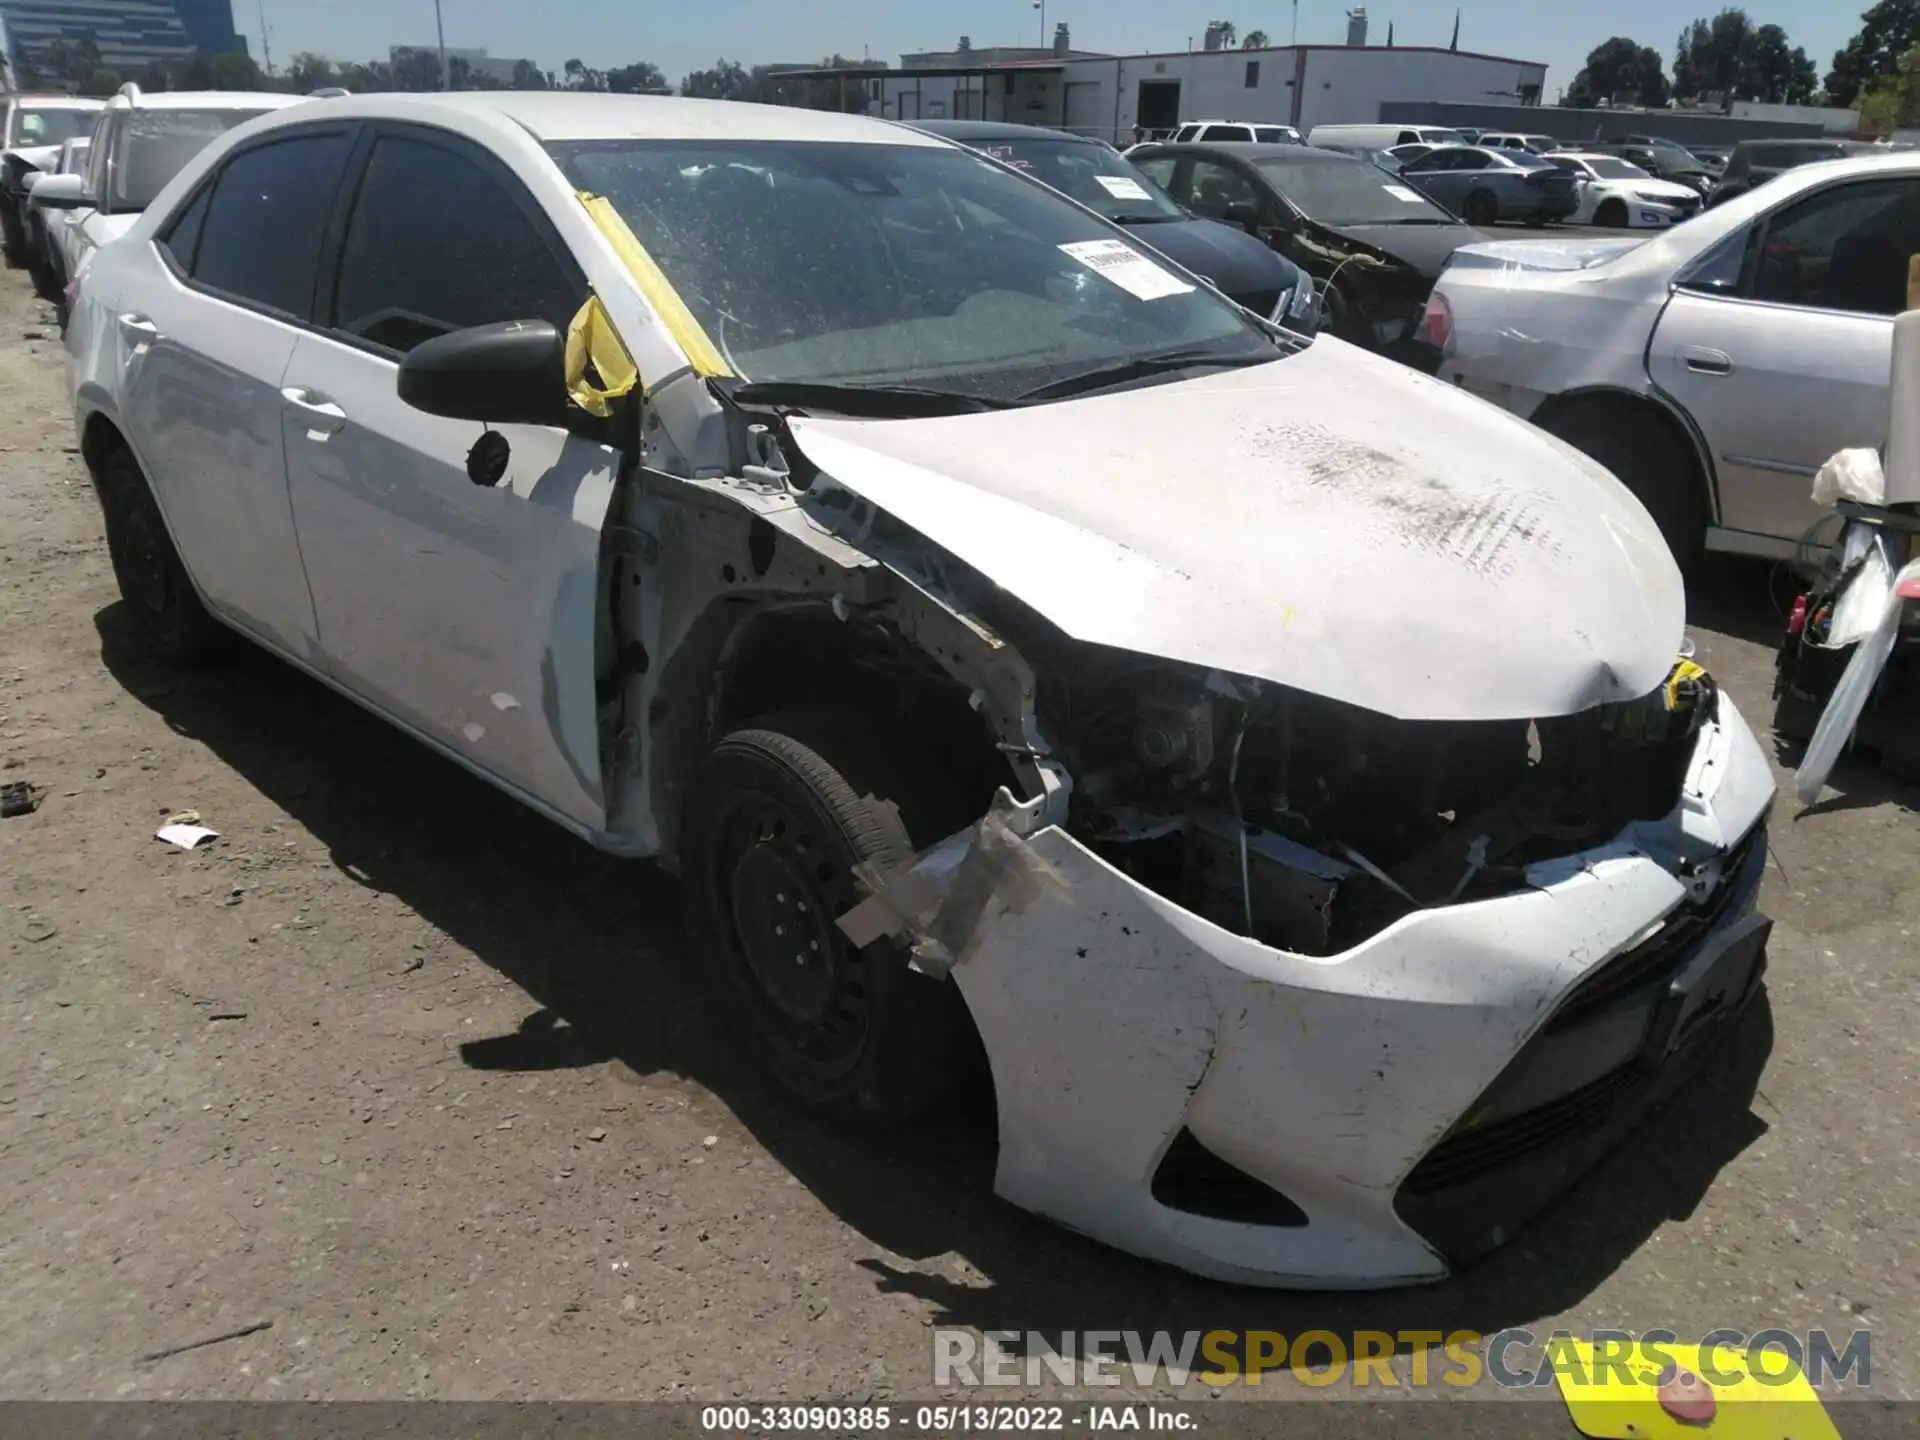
<point x="1703" y="361"/>
<point x="319" y="414"/>
<point x="138" y="329"/>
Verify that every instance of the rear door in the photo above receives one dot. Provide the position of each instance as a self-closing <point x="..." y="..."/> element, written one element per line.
<point x="205" y="329"/>
<point x="1781" y="351"/>
<point x="464" y="611"/>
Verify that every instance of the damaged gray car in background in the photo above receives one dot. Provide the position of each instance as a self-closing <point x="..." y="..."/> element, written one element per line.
<point x="1287" y="771"/>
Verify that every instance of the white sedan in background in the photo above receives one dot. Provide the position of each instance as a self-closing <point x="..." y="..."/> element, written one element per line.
<point x="1619" y="195"/>
<point x="1714" y="367"/>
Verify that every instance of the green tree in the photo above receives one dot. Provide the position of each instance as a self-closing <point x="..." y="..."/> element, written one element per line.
<point x="1782" y="74"/>
<point x="195" y="72"/>
<point x="1892" y="102"/>
<point x="1717" y="55"/>
<point x="417" y="70"/>
<point x="1616" y="67"/>
<point x="1887" y="32"/>
<point x="640" y="78"/>
<point x="527" y="76"/>
<point x="308" y="71"/>
<point x="101" y="83"/>
<point x="235" y="70"/>
<point x="580" y="76"/>
<point x="1254" y="40"/>
<point x="1227" y="30"/>
<point x="725" y="81"/>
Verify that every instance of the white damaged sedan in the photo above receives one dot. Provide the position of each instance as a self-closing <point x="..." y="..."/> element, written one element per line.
<point x="1287" y="768"/>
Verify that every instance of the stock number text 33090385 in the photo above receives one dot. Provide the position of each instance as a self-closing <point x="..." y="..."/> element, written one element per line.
<point x="934" y="1419"/>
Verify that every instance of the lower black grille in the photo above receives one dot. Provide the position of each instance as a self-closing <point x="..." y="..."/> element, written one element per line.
<point x="1598" y="1064"/>
<point x="1661" y="952"/>
<point x="1487" y="1147"/>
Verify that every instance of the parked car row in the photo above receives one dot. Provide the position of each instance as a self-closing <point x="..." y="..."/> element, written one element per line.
<point x="1713" y="368"/>
<point x="1241" y="265"/>
<point x="137" y="143"/>
<point x="956" y="591"/>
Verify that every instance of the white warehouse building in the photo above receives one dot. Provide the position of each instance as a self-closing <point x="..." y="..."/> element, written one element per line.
<point x="1109" y="95"/>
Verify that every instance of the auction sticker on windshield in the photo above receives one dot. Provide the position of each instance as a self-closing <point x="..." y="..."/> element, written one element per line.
<point x="1127" y="268"/>
<point x="1400" y="192"/>
<point x="1122" y="187"/>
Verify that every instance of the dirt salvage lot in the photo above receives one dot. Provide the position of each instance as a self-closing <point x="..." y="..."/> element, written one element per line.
<point x="412" y="1075"/>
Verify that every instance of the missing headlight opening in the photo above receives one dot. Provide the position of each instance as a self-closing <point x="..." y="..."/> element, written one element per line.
<point x="1310" y="825"/>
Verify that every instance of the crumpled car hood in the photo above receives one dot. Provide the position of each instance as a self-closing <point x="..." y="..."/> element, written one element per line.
<point x="1330" y="521"/>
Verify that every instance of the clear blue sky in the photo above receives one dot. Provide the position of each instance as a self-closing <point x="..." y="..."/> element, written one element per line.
<point x="678" y="35"/>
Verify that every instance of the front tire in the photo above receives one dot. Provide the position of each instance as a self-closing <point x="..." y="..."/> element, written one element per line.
<point x="1612" y="215"/>
<point x="781" y="812"/>
<point x="153" y="581"/>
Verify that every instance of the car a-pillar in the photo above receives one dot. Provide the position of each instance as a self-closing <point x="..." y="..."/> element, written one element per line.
<point x="1649" y="450"/>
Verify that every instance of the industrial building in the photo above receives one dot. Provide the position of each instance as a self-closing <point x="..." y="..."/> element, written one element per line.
<point x="129" y="34"/>
<point x="1110" y="95"/>
<point x="497" y="68"/>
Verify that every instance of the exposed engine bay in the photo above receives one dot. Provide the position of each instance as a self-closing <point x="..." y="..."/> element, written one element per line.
<point x="1310" y="825"/>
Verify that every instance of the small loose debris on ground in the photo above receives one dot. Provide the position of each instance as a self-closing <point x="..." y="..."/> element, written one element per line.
<point x="18" y="798"/>
<point x="227" y="1015"/>
<point x="183" y="828"/>
<point x="710" y="1142"/>
<point x="254" y="1329"/>
<point x="597" y="1134"/>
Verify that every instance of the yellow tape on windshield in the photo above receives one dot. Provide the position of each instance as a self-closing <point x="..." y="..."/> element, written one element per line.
<point x="591" y="337"/>
<point x="702" y="354"/>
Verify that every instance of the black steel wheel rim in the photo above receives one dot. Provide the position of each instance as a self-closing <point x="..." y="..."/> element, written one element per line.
<point x="782" y="888"/>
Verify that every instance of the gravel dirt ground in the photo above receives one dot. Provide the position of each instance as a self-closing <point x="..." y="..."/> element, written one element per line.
<point x="413" y="1076"/>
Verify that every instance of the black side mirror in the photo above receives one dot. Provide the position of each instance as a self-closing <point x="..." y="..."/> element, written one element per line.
<point x="512" y="373"/>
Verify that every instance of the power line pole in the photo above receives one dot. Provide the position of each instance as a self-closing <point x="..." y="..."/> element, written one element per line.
<point x="266" y="45"/>
<point x="1296" y="23"/>
<point x="441" y="31"/>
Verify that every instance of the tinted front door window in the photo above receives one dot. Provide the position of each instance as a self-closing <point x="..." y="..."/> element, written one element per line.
<point x="436" y="244"/>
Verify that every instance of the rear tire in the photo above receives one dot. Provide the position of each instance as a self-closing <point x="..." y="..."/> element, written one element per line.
<point x="1645" y="459"/>
<point x="781" y="812"/>
<point x="153" y="581"/>
<point x="1612" y="215"/>
<point x="1481" y="210"/>
<point x="13" y="237"/>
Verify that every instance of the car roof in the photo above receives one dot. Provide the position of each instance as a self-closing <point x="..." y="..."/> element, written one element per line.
<point x="993" y="130"/>
<point x="57" y="102"/>
<point x="1307" y="154"/>
<point x="550" y="115"/>
<point x="206" y="100"/>
<point x="1262" y="124"/>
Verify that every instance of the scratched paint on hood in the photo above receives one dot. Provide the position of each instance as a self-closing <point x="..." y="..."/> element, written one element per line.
<point x="1329" y="521"/>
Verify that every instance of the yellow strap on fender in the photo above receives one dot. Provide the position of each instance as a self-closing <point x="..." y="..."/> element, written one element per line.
<point x="591" y="337"/>
<point x="1686" y="673"/>
<point x="702" y="354"/>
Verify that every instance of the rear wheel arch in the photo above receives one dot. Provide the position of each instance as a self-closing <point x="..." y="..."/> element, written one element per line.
<point x="1618" y="422"/>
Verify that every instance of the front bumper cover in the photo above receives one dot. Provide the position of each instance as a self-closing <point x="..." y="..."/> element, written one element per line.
<point x="1126" y="1035"/>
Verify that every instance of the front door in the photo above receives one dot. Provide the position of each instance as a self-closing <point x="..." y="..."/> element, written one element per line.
<point x="465" y="611"/>
<point x="1789" y="363"/>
